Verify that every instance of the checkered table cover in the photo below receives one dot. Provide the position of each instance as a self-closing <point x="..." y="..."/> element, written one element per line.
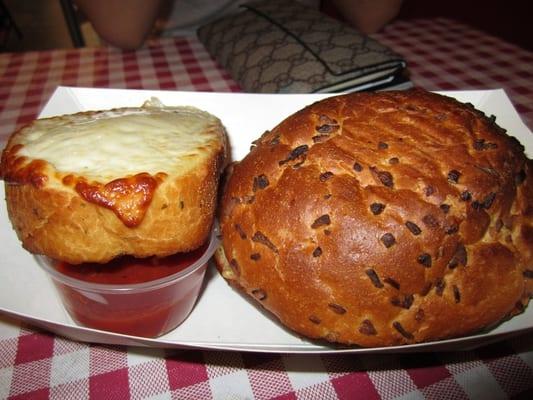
<point x="442" y="55"/>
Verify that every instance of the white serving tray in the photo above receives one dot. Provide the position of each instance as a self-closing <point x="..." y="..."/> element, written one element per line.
<point x="222" y="319"/>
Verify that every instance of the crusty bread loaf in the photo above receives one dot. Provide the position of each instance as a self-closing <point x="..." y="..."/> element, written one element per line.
<point x="91" y="186"/>
<point x="382" y="219"/>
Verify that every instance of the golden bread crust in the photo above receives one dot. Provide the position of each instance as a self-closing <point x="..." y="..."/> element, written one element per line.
<point x="381" y="219"/>
<point x="52" y="217"/>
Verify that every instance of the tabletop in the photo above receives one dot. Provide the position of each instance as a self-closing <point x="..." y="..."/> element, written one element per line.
<point x="442" y="54"/>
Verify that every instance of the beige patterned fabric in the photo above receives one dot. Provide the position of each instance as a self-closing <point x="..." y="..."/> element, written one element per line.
<point x="284" y="47"/>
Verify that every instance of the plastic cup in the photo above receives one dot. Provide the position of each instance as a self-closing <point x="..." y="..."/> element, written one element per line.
<point x="147" y="309"/>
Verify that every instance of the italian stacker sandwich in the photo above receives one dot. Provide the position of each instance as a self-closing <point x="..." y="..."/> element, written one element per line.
<point x="92" y="186"/>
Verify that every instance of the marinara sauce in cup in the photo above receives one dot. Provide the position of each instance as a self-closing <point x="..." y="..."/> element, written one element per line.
<point x="140" y="297"/>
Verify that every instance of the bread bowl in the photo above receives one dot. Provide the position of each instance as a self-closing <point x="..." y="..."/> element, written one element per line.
<point x="91" y="186"/>
<point x="378" y="219"/>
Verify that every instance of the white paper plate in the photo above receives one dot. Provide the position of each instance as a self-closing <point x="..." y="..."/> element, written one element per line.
<point x="222" y="318"/>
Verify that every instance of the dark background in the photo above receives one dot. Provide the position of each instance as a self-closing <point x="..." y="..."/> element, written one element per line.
<point x="511" y="20"/>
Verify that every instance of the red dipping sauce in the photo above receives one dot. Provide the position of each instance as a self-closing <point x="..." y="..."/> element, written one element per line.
<point x="128" y="270"/>
<point x="139" y="297"/>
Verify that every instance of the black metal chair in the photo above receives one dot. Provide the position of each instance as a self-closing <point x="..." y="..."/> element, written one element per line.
<point x="7" y="25"/>
<point x="73" y="23"/>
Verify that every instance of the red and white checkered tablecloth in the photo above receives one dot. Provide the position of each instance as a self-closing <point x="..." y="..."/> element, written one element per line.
<point x="28" y="79"/>
<point x="442" y="55"/>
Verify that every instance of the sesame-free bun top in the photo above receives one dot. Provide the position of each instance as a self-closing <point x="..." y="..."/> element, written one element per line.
<point x="381" y="219"/>
<point x="90" y="186"/>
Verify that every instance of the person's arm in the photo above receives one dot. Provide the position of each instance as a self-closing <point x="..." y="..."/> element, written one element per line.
<point x="368" y="16"/>
<point x="122" y="23"/>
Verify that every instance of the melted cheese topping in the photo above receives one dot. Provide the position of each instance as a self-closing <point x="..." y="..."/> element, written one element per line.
<point x="113" y="144"/>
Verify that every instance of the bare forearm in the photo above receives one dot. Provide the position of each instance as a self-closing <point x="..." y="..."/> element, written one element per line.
<point x="122" y="23"/>
<point x="368" y="15"/>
